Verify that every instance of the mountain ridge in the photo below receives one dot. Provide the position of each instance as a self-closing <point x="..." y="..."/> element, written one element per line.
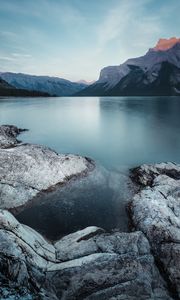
<point x="155" y="73"/>
<point x="150" y="68"/>
<point x="10" y="91"/>
<point x="54" y="86"/>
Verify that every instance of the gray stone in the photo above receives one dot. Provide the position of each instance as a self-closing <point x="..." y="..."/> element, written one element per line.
<point x="88" y="264"/>
<point x="27" y="169"/>
<point x="155" y="210"/>
<point x="117" y="266"/>
<point x="77" y="244"/>
<point x="8" y="135"/>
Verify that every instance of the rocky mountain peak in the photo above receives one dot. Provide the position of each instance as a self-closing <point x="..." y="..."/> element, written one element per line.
<point x="165" y="44"/>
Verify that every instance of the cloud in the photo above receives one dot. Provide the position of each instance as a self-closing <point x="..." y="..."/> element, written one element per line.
<point x="128" y="21"/>
<point x="6" y="58"/>
<point x="21" y="55"/>
<point x="15" y="57"/>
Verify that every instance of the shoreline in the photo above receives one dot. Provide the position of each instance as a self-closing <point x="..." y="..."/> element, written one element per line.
<point x="107" y="264"/>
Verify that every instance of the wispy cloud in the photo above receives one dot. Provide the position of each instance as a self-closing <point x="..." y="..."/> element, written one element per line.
<point x="16" y="57"/>
<point x="128" y="22"/>
<point x="6" y="58"/>
<point x="21" y="55"/>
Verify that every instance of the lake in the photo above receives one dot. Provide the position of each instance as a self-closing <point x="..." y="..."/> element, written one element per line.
<point x="117" y="132"/>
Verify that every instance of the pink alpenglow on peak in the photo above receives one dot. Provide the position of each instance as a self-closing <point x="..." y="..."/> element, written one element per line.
<point x="164" y="44"/>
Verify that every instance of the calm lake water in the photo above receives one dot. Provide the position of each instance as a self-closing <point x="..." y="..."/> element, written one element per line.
<point x="117" y="132"/>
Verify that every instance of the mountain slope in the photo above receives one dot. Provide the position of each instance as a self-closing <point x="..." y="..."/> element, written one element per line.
<point x="51" y="85"/>
<point x="5" y="85"/>
<point x="8" y="90"/>
<point x="155" y="73"/>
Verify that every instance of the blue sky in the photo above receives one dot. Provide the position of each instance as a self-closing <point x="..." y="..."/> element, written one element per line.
<point x="74" y="39"/>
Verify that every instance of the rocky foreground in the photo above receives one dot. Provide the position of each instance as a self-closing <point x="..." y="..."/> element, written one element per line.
<point x="91" y="263"/>
<point x="156" y="212"/>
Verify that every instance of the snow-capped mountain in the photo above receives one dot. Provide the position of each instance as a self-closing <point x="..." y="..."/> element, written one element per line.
<point x="51" y="85"/>
<point x="155" y="73"/>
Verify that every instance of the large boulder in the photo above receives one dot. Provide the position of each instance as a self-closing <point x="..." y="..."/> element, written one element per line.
<point x="26" y="169"/>
<point x="116" y="266"/>
<point x="155" y="210"/>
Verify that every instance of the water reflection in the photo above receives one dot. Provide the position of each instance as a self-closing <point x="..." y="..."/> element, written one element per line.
<point x="142" y="130"/>
<point x="115" y="131"/>
<point x="93" y="200"/>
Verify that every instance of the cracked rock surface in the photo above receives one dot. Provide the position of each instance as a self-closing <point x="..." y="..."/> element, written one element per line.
<point x="155" y="210"/>
<point x="26" y="169"/>
<point x="88" y="264"/>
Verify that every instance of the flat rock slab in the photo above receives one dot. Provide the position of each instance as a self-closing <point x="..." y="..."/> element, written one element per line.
<point x="117" y="266"/>
<point x="155" y="210"/>
<point x="26" y="169"/>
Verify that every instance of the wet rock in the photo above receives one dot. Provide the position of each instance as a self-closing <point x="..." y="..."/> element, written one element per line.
<point x="155" y="210"/>
<point x="27" y="169"/>
<point x="118" y="265"/>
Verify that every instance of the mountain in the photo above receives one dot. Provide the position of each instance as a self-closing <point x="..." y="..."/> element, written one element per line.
<point x="52" y="85"/>
<point x="155" y="73"/>
<point x="8" y="90"/>
<point x="164" y="44"/>
<point x="5" y="85"/>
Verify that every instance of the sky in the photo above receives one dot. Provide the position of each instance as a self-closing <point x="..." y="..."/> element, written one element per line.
<point x="75" y="39"/>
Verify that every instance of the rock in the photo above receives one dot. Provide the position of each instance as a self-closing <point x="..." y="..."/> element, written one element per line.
<point x="8" y="134"/>
<point x="121" y="268"/>
<point x="145" y="174"/>
<point x="90" y="263"/>
<point x="77" y="244"/>
<point x="155" y="210"/>
<point x="27" y="169"/>
<point x="14" y="294"/>
<point x="118" y="265"/>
